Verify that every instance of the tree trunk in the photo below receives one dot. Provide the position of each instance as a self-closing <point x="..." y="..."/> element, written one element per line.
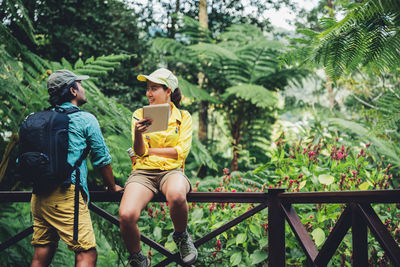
<point x="203" y="16"/>
<point x="234" y="163"/>
<point x="331" y="96"/>
<point x="236" y="133"/>
<point x="203" y="105"/>
<point x="173" y="20"/>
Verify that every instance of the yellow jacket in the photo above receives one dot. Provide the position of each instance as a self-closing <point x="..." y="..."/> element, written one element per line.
<point x="178" y="135"/>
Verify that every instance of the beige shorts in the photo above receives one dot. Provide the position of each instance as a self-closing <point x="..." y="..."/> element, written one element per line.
<point x="53" y="217"/>
<point x="154" y="179"/>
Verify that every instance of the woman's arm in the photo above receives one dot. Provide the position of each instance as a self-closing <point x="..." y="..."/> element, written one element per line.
<point x="138" y="144"/>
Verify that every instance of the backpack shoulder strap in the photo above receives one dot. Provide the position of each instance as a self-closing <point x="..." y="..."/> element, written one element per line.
<point x="77" y="190"/>
<point x="68" y="110"/>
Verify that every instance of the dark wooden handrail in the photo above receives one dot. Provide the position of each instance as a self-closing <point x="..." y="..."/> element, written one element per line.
<point x="367" y="196"/>
<point x="103" y="196"/>
<point x="358" y="214"/>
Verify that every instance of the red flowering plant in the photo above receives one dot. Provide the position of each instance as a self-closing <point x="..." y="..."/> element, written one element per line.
<point x="311" y="164"/>
<point x="328" y="164"/>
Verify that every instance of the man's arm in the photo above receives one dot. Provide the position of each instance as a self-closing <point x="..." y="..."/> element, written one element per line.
<point x="108" y="178"/>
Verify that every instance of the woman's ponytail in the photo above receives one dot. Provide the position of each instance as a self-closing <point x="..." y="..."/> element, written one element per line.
<point x="176" y="97"/>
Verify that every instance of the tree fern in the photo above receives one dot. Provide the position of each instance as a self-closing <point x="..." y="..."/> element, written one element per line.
<point x="15" y="10"/>
<point x="240" y="71"/>
<point x="369" y="34"/>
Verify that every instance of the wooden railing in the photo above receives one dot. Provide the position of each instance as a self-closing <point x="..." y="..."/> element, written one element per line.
<point x="358" y="215"/>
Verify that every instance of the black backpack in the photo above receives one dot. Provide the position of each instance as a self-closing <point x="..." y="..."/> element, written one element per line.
<point x="43" y="149"/>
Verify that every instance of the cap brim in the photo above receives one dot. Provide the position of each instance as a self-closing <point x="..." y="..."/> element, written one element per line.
<point x="144" y="78"/>
<point x="82" y="77"/>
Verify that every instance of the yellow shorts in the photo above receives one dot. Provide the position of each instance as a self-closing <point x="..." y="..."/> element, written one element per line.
<point x="154" y="179"/>
<point x="53" y="217"/>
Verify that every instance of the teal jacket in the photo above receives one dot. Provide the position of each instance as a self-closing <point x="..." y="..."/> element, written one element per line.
<point x="84" y="129"/>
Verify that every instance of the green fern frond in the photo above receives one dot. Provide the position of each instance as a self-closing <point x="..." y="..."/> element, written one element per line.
<point x="213" y="52"/>
<point x="257" y="95"/>
<point x="193" y="32"/>
<point x="192" y="91"/>
<point x="367" y="35"/>
<point x="97" y="67"/>
<point x="114" y="58"/>
<point x="167" y="46"/>
<point x="105" y="63"/>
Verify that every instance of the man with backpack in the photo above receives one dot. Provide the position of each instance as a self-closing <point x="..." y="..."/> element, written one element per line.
<point x="60" y="209"/>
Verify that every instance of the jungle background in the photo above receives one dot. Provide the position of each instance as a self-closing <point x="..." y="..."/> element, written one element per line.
<point x="316" y="108"/>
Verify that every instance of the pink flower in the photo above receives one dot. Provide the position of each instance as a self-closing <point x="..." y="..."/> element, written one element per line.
<point x="218" y="244"/>
<point x="211" y="207"/>
<point x="225" y="170"/>
<point x="214" y="254"/>
<point x="233" y="190"/>
<point x="340" y="155"/>
<point x="367" y="144"/>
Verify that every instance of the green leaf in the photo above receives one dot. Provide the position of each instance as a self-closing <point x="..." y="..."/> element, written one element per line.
<point x="231" y="241"/>
<point x="192" y="91"/>
<point x="197" y="214"/>
<point x="263" y="242"/>
<point x="326" y="179"/>
<point x="318" y="235"/>
<point x="255" y="94"/>
<point x="218" y="224"/>
<point x="241" y="238"/>
<point x="236" y="258"/>
<point x="157" y="233"/>
<point x="170" y="246"/>
<point x="364" y="186"/>
<point x="255" y="229"/>
<point x="78" y="63"/>
<point x="302" y="184"/>
<point x="258" y="256"/>
<point x="66" y="64"/>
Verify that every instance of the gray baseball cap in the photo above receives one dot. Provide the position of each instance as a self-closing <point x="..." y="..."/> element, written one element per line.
<point x="62" y="78"/>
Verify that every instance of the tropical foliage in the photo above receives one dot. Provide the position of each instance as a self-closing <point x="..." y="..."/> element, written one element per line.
<point x="318" y="111"/>
<point x="242" y="73"/>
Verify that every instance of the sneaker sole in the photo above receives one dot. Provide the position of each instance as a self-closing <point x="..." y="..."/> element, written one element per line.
<point x="192" y="261"/>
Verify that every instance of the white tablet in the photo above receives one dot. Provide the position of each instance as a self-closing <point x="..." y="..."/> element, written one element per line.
<point x="159" y="114"/>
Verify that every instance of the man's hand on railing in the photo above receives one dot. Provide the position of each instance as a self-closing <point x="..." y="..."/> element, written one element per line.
<point x="114" y="189"/>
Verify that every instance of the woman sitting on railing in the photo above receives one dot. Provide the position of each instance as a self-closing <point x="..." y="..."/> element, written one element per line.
<point x="158" y="168"/>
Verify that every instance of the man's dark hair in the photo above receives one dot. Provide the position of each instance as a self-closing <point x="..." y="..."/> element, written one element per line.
<point x="63" y="95"/>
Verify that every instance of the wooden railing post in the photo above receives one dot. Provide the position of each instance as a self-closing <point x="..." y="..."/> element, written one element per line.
<point x="360" y="238"/>
<point x="276" y="230"/>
